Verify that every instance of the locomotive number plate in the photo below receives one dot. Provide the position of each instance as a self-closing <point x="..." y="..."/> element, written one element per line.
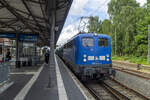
<point x="102" y="57"/>
<point x="90" y="57"/>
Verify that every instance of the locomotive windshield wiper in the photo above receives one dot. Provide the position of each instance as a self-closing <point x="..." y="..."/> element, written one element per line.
<point x="86" y="43"/>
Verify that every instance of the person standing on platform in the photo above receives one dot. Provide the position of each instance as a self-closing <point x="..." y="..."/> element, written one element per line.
<point x="8" y="56"/>
<point x="46" y="57"/>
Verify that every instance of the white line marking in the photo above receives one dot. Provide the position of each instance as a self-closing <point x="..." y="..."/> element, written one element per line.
<point x="5" y="87"/>
<point x="77" y="84"/>
<point x="83" y="90"/>
<point x="27" y="87"/>
<point x="26" y="73"/>
<point x="61" y="89"/>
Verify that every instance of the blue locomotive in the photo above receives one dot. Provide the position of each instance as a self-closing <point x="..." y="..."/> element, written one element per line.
<point x="88" y="55"/>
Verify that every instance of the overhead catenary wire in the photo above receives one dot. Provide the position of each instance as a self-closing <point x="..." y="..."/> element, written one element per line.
<point x="100" y="7"/>
<point x="78" y="19"/>
<point x="91" y="14"/>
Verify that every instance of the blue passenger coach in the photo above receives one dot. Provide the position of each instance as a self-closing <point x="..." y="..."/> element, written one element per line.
<point x="89" y="55"/>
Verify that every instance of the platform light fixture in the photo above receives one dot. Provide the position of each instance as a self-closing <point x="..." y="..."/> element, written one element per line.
<point x="56" y="28"/>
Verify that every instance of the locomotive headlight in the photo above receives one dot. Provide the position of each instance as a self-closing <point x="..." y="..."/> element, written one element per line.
<point x="107" y="55"/>
<point x="107" y="59"/>
<point x="84" y="55"/>
<point x="84" y="60"/>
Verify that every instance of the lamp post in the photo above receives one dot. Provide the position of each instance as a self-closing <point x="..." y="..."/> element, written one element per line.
<point x="148" y="44"/>
<point x="116" y="38"/>
<point x="115" y="43"/>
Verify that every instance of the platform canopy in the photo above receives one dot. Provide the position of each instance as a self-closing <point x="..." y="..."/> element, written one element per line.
<point x="32" y="16"/>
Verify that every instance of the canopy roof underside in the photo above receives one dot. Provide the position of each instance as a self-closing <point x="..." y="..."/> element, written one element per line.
<point x="31" y="16"/>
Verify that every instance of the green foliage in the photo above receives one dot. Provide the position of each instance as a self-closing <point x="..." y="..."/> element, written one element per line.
<point x="94" y="24"/>
<point x="106" y="27"/>
<point x="130" y="23"/>
<point x="132" y="59"/>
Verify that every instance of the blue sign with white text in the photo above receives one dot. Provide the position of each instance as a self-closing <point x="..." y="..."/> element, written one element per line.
<point x="28" y="37"/>
<point x="7" y="35"/>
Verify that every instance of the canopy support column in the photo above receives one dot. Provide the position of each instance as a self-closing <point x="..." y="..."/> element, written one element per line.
<point x="52" y="22"/>
<point x="17" y="51"/>
<point x="51" y="11"/>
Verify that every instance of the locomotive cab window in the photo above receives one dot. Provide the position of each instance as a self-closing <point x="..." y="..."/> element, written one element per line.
<point x="87" y="42"/>
<point x="103" y="42"/>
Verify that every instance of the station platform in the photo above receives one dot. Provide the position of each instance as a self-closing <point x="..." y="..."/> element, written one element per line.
<point x="43" y="83"/>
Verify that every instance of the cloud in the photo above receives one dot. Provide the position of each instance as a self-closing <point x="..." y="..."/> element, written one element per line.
<point x="78" y="7"/>
<point x="68" y="32"/>
<point x="98" y="5"/>
<point x="85" y="8"/>
<point x="81" y="8"/>
<point x="142" y="2"/>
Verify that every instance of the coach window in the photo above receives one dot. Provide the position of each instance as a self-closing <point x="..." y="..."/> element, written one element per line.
<point x="69" y="45"/>
<point x="87" y="42"/>
<point x="65" y="46"/>
<point x="103" y="42"/>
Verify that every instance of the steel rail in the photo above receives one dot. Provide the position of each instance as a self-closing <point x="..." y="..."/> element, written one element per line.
<point x="129" y="71"/>
<point x="138" y="93"/>
<point x="114" y="92"/>
<point x="93" y="92"/>
<point x="133" y="65"/>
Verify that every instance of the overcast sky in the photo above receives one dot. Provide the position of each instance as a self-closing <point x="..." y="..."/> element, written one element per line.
<point x="81" y="8"/>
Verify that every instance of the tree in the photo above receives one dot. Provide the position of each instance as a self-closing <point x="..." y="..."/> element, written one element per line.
<point x="94" y="24"/>
<point x="123" y="16"/>
<point x="106" y="27"/>
<point x="129" y="22"/>
<point x="140" y="40"/>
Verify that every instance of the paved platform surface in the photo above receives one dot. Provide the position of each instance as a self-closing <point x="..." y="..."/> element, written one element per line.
<point x="19" y="82"/>
<point x="33" y="84"/>
<point x="40" y="89"/>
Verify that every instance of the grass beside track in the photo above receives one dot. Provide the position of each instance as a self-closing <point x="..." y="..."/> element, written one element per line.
<point x="132" y="59"/>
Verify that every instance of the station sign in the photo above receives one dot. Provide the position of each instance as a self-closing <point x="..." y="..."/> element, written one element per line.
<point x="28" y="37"/>
<point x="7" y="35"/>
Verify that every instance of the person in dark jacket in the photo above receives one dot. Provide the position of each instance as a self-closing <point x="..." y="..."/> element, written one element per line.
<point x="46" y="57"/>
<point x="8" y="56"/>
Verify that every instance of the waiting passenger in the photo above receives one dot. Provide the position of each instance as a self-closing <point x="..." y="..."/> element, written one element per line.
<point x="46" y="57"/>
<point x="8" y="56"/>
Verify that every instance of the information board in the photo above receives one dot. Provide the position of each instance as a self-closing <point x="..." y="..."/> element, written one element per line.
<point x="28" y="37"/>
<point x="7" y="35"/>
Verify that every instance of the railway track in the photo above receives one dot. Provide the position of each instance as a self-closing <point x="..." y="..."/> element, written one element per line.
<point x="133" y="72"/>
<point x="128" y="93"/>
<point x="132" y="65"/>
<point x="98" y="91"/>
<point x="112" y="90"/>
